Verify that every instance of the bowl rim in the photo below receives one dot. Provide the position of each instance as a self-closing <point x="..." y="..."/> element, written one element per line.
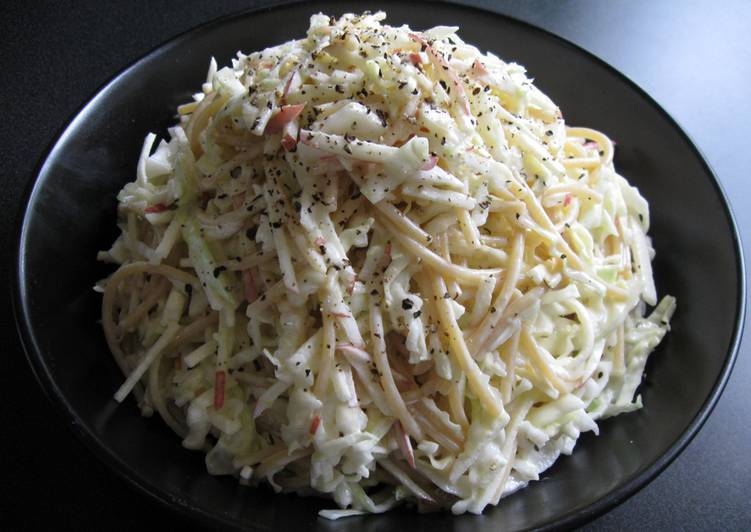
<point x="41" y="371"/>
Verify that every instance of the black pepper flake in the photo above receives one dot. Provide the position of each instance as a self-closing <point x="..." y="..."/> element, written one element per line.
<point x="338" y="88"/>
<point x="235" y="172"/>
<point x="407" y="304"/>
<point x="476" y="91"/>
<point x="374" y="292"/>
<point x="417" y="314"/>
<point x="276" y="225"/>
<point x="348" y="149"/>
<point x="549" y="133"/>
<point x="563" y="255"/>
<point x="382" y="116"/>
<point x="218" y="270"/>
<point x="492" y="310"/>
<point x="307" y="372"/>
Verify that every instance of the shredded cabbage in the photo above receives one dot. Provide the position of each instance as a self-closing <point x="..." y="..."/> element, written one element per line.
<point x="376" y="264"/>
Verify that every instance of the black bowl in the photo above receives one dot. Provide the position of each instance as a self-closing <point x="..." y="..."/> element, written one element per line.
<point x="70" y="215"/>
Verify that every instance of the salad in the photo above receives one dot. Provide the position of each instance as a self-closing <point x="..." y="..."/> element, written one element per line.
<point x="375" y="264"/>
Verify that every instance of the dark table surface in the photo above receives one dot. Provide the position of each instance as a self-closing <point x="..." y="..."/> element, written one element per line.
<point x="693" y="57"/>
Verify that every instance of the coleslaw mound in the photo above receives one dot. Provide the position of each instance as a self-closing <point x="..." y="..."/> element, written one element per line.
<point x="375" y="264"/>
